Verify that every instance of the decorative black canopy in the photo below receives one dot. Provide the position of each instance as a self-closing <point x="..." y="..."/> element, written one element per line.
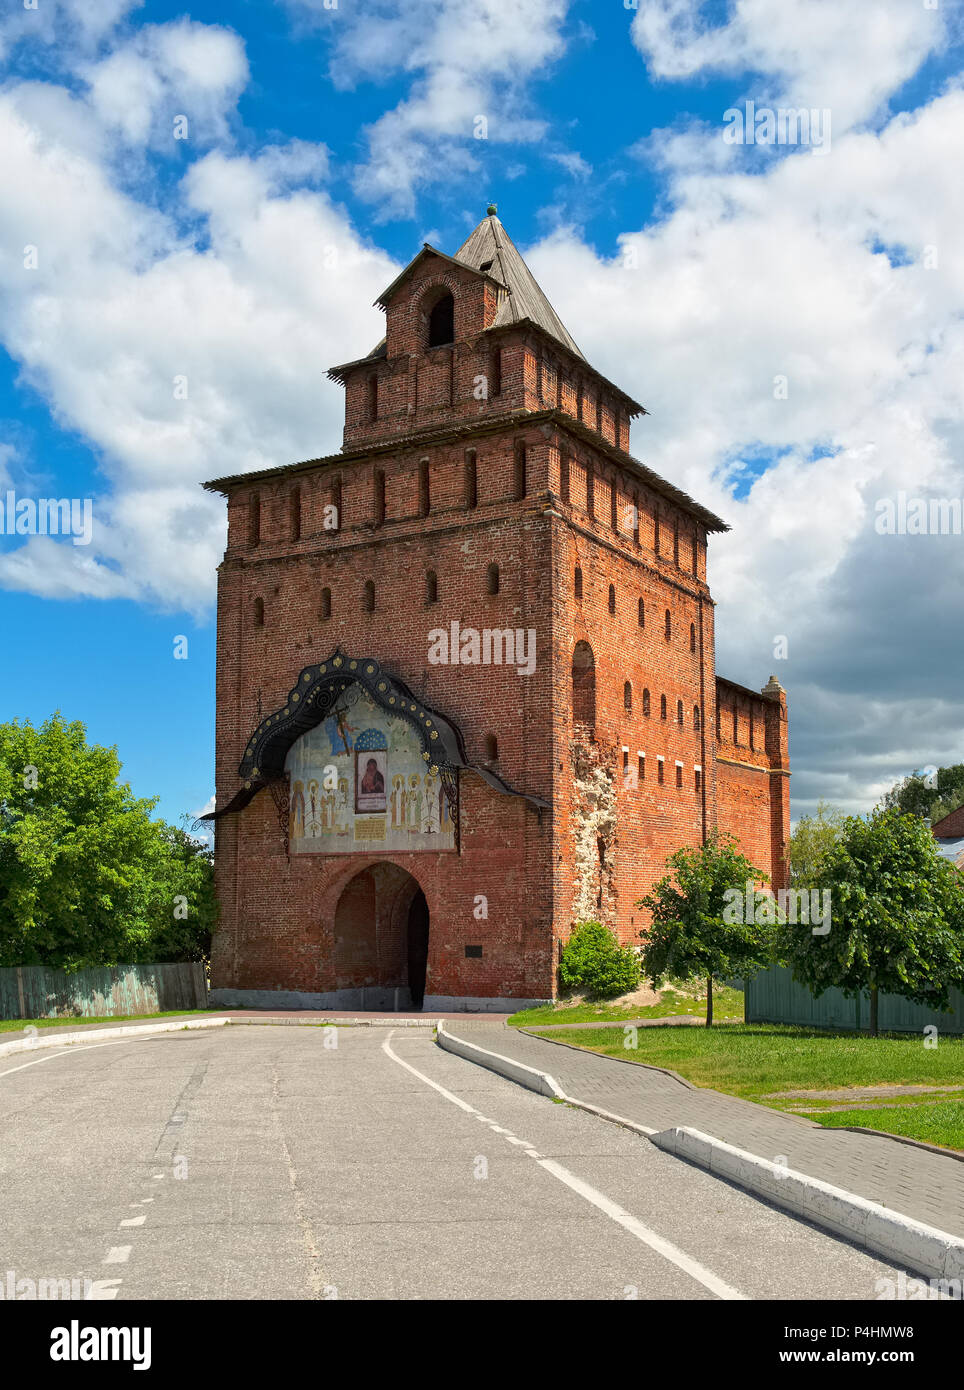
<point x="313" y="699"/>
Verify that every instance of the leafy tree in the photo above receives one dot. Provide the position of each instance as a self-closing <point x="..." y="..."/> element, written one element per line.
<point x="810" y="842"/>
<point x="86" y="876"/>
<point x="896" y="920"/>
<point x="694" y="934"/>
<point x="184" y="907"/>
<point x="944" y="805"/>
<point x="593" y="960"/>
<point x="930" y="797"/>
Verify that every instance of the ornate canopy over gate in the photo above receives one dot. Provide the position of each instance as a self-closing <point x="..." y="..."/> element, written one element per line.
<point x="315" y="698"/>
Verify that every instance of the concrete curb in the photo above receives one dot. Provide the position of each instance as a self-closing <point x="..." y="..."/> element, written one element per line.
<point x="539" y="1081"/>
<point x="533" y="1080"/>
<point x="876" y="1228"/>
<point x="865" y="1223"/>
<point x="36" y="1044"/>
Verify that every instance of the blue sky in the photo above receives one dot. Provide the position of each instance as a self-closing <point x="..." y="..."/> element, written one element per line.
<point x="692" y="272"/>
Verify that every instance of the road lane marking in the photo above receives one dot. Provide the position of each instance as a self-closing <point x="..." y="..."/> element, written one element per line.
<point x="636" y="1227"/>
<point x="77" y="1049"/>
<point x="463" y="1105"/>
<point x="629" y="1223"/>
<point x="117" y="1255"/>
<point x="103" y="1290"/>
<point x="135" y="1220"/>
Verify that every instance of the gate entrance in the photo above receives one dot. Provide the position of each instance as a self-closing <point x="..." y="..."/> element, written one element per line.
<point x="381" y="932"/>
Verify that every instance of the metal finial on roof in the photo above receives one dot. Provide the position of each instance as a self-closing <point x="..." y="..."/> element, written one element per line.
<point x="492" y="209"/>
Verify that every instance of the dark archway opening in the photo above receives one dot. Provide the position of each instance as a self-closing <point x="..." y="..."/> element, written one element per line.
<point x="417" y="948"/>
<point x="441" y="322"/>
<point x="583" y="685"/>
<point x="380" y="939"/>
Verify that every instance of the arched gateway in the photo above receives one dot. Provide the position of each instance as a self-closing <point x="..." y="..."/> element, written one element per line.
<point x="380" y="929"/>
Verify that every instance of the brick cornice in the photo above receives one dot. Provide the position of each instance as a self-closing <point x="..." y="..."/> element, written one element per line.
<point x="513" y="420"/>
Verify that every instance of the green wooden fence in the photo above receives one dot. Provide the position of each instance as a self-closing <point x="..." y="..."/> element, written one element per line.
<point x="774" y="996"/>
<point x="34" y="991"/>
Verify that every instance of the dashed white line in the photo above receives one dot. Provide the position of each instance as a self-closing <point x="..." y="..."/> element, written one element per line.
<point x="602" y="1203"/>
<point x="135" y="1220"/>
<point x="117" y="1255"/>
<point x="103" y="1290"/>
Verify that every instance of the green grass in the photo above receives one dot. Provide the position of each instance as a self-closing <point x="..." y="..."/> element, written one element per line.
<point x="727" y="1004"/>
<point x="932" y="1122"/>
<point x="753" y="1059"/>
<point x="15" y="1025"/>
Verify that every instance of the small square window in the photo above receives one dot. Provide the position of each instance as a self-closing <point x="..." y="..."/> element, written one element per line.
<point x="473" y="952"/>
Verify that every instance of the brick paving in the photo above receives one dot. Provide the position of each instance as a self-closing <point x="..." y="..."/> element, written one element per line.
<point x="916" y="1182"/>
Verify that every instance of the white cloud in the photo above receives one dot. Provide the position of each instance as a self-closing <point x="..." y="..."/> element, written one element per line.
<point x="807" y="52"/>
<point x="573" y="163"/>
<point x="468" y="59"/>
<point x="164" y="72"/>
<point x="250" y="315"/>
<point x="787" y="273"/>
<point x="77" y="25"/>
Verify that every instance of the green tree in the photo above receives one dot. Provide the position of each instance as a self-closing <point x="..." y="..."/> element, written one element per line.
<point x="944" y="805"/>
<point x="930" y="797"/>
<point x="86" y="876"/>
<point x="810" y="842"/>
<point x="896" y="916"/>
<point x="183" y="911"/>
<point x="592" y="959"/>
<point x="694" y="934"/>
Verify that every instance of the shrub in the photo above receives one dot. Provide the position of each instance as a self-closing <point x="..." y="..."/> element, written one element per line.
<point x="593" y="960"/>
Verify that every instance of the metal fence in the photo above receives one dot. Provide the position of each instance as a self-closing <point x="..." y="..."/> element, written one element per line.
<point x="34" y="991"/>
<point x="774" y="996"/>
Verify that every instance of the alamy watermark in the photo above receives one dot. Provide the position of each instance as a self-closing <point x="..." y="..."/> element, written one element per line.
<point x="807" y="906"/>
<point x="788" y="125"/>
<point x="919" y="516"/>
<point x="467" y="646"/>
<point x="14" y="1288"/>
<point x="47" y="516"/>
<point x="904" y="1288"/>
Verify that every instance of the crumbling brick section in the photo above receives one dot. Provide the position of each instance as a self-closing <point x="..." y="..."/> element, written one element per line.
<point x="593" y="831"/>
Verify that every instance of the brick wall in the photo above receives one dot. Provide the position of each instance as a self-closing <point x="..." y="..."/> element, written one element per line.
<point x="432" y="490"/>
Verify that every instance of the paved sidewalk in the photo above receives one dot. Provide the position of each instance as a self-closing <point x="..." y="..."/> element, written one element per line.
<point x="915" y="1182"/>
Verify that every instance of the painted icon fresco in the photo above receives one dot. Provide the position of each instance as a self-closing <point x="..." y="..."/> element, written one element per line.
<point x="359" y="780"/>
<point x="370" y="781"/>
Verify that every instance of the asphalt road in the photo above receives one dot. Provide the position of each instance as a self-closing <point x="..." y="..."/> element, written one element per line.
<point x="266" y="1163"/>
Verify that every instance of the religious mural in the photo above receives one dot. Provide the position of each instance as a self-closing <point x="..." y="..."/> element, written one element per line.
<point x="360" y="779"/>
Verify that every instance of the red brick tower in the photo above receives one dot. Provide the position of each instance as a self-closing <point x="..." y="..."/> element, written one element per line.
<point x="471" y="659"/>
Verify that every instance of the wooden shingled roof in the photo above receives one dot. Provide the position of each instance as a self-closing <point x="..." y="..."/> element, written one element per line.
<point x="492" y="251"/>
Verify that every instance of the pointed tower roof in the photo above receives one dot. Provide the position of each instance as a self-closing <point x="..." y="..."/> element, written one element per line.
<point x="491" y="251"/>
